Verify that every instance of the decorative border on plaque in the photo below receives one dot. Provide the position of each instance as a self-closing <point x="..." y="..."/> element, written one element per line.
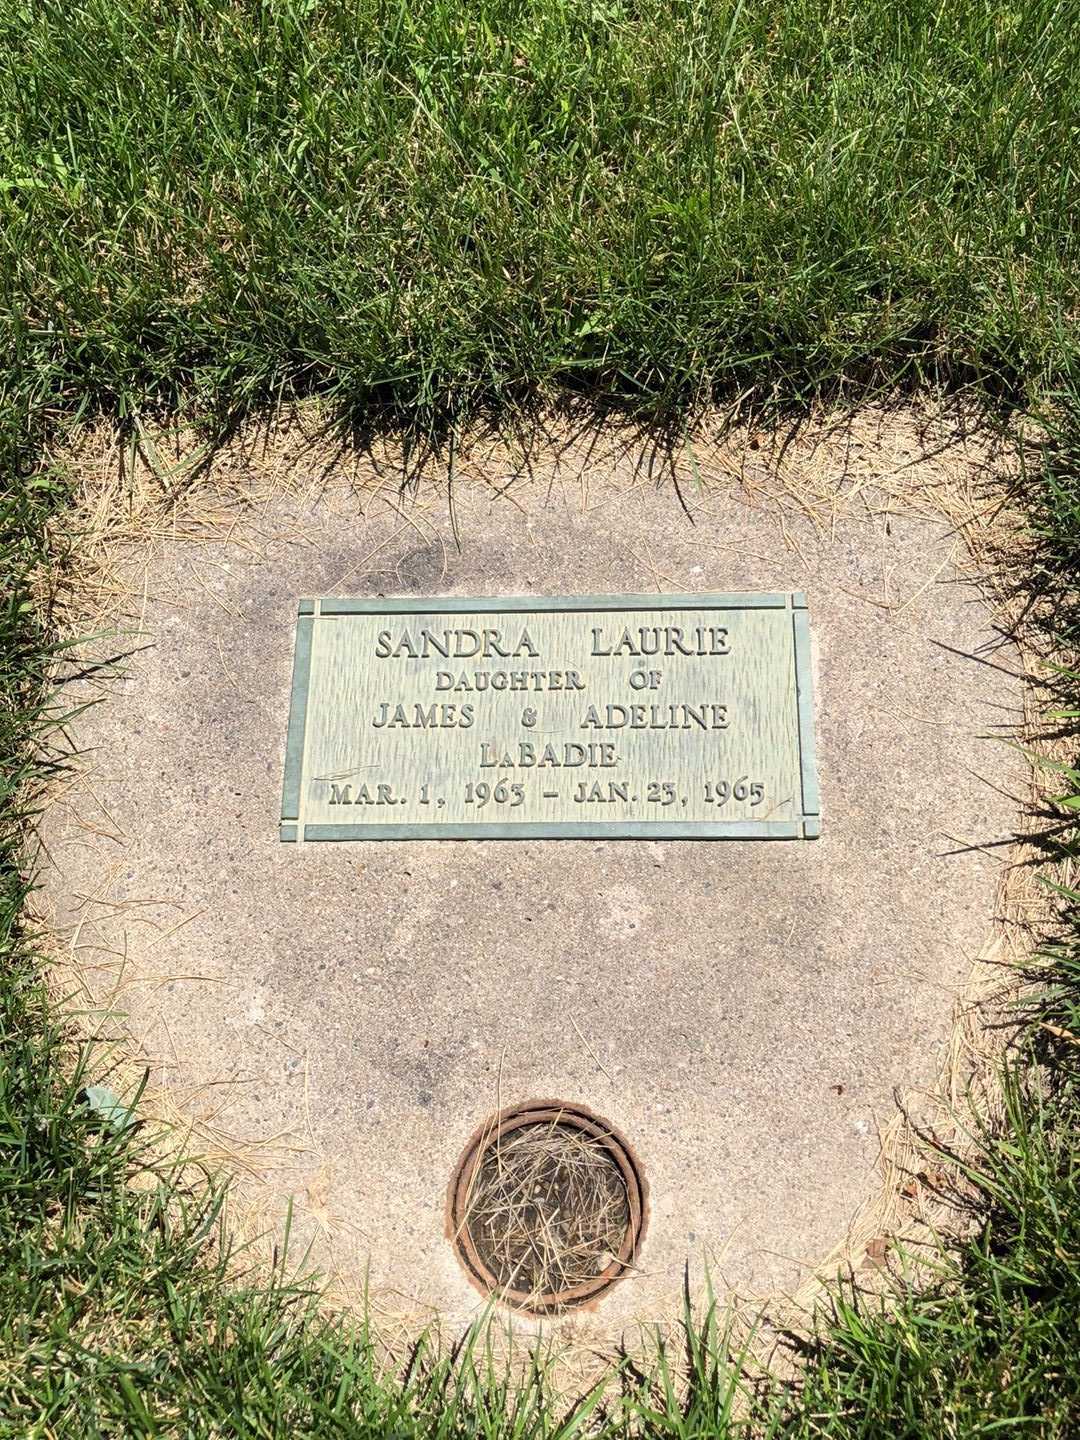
<point x="806" y="825"/>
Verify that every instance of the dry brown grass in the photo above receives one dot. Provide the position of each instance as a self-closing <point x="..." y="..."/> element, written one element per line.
<point x="547" y="1209"/>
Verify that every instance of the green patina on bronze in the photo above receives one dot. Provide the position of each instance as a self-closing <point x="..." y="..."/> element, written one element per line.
<point x="619" y="716"/>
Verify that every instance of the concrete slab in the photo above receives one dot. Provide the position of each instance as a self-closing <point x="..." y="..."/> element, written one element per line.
<point x="741" y="1011"/>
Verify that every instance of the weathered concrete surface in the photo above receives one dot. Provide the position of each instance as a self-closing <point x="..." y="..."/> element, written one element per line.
<point x="742" y="1011"/>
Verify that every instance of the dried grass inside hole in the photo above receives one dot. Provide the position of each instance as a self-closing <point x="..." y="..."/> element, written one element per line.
<point x="547" y="1209"/>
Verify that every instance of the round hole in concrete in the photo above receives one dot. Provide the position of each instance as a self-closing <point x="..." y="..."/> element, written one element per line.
<point x="547" y="1206"/>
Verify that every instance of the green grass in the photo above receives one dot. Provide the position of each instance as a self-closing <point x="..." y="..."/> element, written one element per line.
<point x="429" y="206"/>
<point x="427" y="211"/>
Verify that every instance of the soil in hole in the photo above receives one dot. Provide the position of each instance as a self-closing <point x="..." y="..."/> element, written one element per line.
<point x="547" y="1209"/>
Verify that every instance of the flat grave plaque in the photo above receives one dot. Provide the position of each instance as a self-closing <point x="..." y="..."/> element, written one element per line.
<point x="648" y="716"/>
